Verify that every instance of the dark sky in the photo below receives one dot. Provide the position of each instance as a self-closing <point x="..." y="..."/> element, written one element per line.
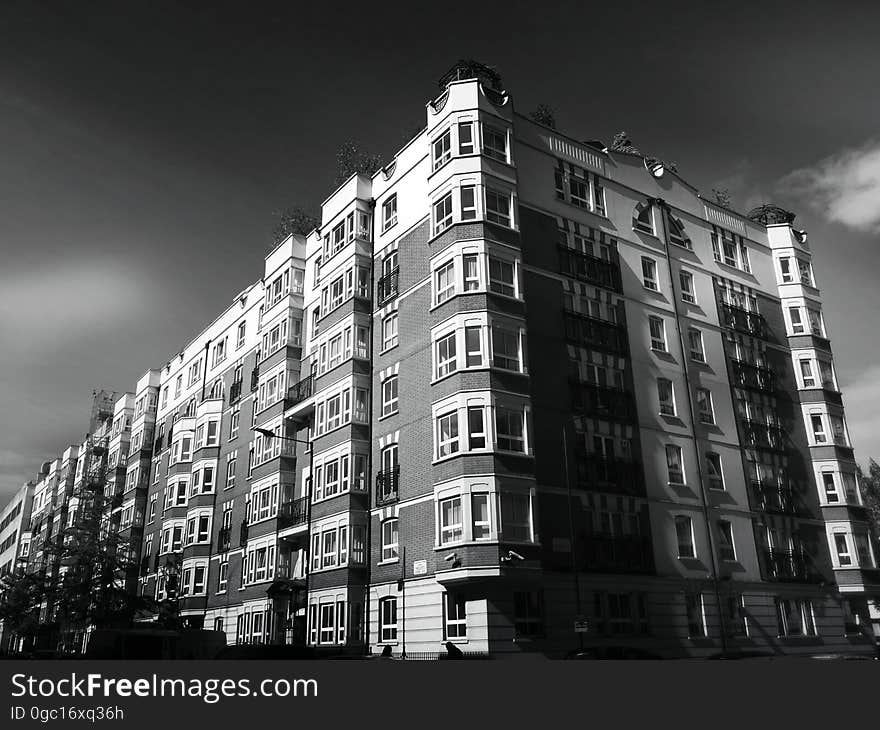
<point x="144" y="148"/>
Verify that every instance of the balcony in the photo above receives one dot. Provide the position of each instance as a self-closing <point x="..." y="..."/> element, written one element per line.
<point x="598" y="473"/>
<point x="760" y="435"/>
<point x="156" y="563"/>
<point x="293" y="512"/>
<point x="145" y="565"/>
<point x="591" y="269"/>
<point x="742" y="320"/>
<point x="775" y="498"/>
<point x="785" y="566"/>
<point x="255" y="378"/>
<point x="602" y="402"/>
<point x="224" y="539"/>
<point x="752" y="377"/>
<point x="386" y="487"/>
<point x="235" y="392"/>
<point x="298" y="392"/>
<point x="387" y="287"/>
<point x="619" y="554"/>
<point x="588" y="331"/>
<point x="243" y="534"/>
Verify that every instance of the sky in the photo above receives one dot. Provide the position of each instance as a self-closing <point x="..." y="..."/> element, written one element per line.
<point x="146" y="147"/>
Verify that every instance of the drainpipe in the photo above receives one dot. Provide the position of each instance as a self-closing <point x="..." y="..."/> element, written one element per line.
<point x="704" y="499"/>
<point x="368" y="557"/>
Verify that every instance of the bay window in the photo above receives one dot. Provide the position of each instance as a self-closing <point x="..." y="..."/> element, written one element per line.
<point x="444" y="282"/>
<point x="502" y="277"/>
<point x="471" y="269"/>
<point x="442" y="149"/>
<point x="498" y="207"/>
<point x="468" y="194"/>
<point x="516" y="517"/>
<point x="446" y="355"/>
<point x="465" y="138"/>
<point x="451" y="526"/>
<point x="476" y="427"/>
<point x="509" y="429"/>
<point x="443" y="213"/>
<point x="447" y="434"/>
<point x="495" y="143"/>
<point x="505" y="349"/>
<point x="481" y="521"/>
<point x="473" y="347"/>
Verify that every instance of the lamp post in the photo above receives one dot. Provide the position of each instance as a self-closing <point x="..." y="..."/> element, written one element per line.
<point x="270" y="434"/>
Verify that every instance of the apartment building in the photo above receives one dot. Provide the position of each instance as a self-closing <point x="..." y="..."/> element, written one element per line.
<point x="221" y="494"/>
<point x="14" y="521"/>
<point x="591" y="397"/>
<point x="518" y="392"/>
<point x="14" y="542"/>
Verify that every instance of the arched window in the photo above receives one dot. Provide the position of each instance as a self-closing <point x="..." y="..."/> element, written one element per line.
<point x="643" y="218"/>
<point x="190" y="408"/>
<point x="216" y="389"/>
<point x="677" y="234"/>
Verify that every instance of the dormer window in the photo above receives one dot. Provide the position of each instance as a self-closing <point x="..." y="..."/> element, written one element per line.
<point x="643" y="218"/>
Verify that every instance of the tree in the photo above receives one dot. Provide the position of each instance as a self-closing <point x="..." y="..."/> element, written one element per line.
<point x="293" y="220"/>
<point x="722" y="197"/>
<point x="351" y="158"/>
<point x="544" y="114"/>
<point x="870" y="486"/>
<point x="21" y="593"/>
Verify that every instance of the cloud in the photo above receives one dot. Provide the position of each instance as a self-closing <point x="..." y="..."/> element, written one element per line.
<point x="862" y="401"/>
<point x="44" y="308"/>
<point x="845" y="187"/>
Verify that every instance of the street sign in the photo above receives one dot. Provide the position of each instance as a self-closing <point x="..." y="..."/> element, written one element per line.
<point x="420" y="567"/>
<point x="581" y="625"/>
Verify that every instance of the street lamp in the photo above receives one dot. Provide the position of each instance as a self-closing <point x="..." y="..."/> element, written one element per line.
<point x="270" y="434"/>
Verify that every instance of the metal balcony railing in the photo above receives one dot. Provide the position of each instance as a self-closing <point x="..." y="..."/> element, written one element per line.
<point x="235" y="392"/>
<point x="753" y="377"/>
<point x="602" y="402"/>
<point x="387" y="486"/>
<point x="243" y="534"/>
<point x="604" y="474"/>
<point x="298" y="392"/>
<point x="786" y="566"/>
<point x="591" y="332"/>
<point x="775" y="498"/>
<point x="255" y="378"/>
<point x="293" y="512"/>
<point x="589" y="268"/>
<point x="762" y="435"/>
<point x="224" y="539"/>
<point x="619" y="553"/>
<point x="743" y="320"/>
<point x="387" y="287"/>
